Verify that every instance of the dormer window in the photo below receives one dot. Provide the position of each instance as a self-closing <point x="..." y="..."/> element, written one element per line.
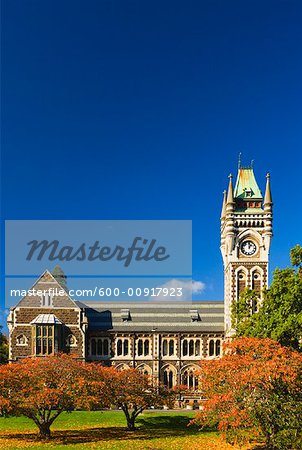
<point x="194" y="315"/>
<point x="248" y="192"/>
<point x="125" y="315"/>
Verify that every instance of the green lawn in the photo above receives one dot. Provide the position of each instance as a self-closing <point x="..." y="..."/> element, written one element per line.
<point x="106" y="430"/>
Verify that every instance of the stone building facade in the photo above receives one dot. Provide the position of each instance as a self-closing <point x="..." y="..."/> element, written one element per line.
<point x="166" y="340"/>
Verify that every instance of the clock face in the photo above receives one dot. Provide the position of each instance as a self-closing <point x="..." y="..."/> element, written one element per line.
<point x="248" y="248"/>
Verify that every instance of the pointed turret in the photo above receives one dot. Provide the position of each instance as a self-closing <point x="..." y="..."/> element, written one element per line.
<point x="230" y="198"/>
<point x="268" y="194"/>
<point x="223" y="205"/>
<point x="60" y="276"/>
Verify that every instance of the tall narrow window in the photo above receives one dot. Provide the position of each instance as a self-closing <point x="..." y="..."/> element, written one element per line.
<point x="140" y="347"/>
<point x="46" y="300"/>
<point x="126" y="347"/>
<point x="165" y="347"/>
<point x="106" y="347"/>
<point x="171" y="348"/>
<point x="211" y="347"/>
<point x="241" y="282"/>
<point x="119" y="347"/>
<point x="146" y="347"/>
<point x="185" y="347"/>
<point x="191" y="347"/>
<point x="217" y="347"/>
<point x="197" y="347"/>
<point x="168" y="378"/>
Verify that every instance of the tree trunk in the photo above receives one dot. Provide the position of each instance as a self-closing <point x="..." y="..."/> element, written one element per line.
<point x="131" y="423"/>
<point x="44" y="430"/>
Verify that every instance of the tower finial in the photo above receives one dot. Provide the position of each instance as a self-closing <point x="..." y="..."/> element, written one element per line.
<point x="252" y="164"/>
<point x="239" y="160"/>
<point x="268" y="194"/>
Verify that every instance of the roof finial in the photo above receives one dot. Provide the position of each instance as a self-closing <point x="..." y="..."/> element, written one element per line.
<point x="239" y="160"/>
<point x="252" y="164"/>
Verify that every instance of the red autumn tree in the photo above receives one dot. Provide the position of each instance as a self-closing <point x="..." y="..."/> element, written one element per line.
<point x="133" y="392"/>
<point x="254" y="389"/>
<point x="42" y="388"/>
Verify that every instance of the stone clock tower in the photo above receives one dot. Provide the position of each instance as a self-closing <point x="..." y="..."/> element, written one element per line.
<point x="246" y="232"/>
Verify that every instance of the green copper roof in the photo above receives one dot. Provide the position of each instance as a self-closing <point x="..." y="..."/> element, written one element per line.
<point x="246" y="184"/>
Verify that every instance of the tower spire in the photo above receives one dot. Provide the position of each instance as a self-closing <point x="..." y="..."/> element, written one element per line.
<point x="268" y="195"/>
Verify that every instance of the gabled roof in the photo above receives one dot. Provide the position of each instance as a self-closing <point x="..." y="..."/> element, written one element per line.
<point x="47" y="281"/>
<point x="246" y="185"/>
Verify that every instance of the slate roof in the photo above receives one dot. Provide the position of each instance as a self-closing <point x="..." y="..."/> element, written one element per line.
<point x="46" y="319"/>
<point x="192" y="317"/>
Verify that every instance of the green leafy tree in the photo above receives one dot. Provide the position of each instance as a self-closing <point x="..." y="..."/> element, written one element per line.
<point x="280" y="314"/>
<point x="242" y="312"/>
<point x="296" y="257"/>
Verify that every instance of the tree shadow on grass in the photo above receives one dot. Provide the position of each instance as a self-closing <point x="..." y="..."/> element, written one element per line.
<point x="173" y="424"/>
<point x="148" y="429"/>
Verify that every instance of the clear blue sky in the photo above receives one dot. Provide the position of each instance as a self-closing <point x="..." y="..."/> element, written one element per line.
<point x="138" y="110"/>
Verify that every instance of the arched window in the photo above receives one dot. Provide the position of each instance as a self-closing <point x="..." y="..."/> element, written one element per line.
<point x="241" y="282"/>
<point x="21" y="340"/>
<point x="191" y="347"/>
<point x="71" y="341"/>
<point x="190" y="379"/>
<point x="140" y="347"/>
<point x="197" y="347"/>
<point x="185" y="347"/>
<point x="168" y="377"/>
<point x="256" y="286"/>
<point x="211" y="347"/>
<point x="145" y="369"/>
<point x="119" y="347"/>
